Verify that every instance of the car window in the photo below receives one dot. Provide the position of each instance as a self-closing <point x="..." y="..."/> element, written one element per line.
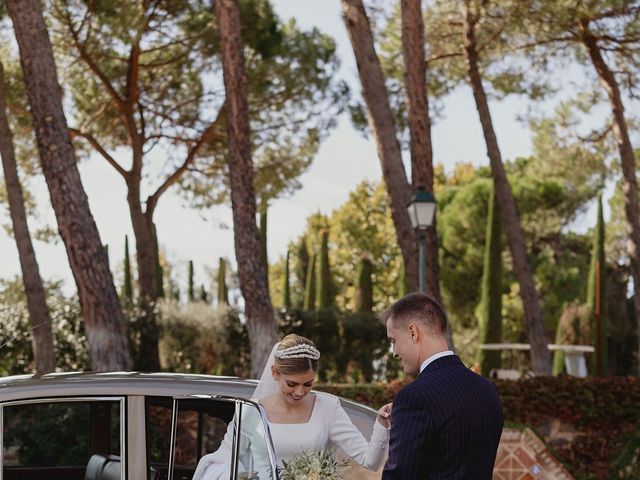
<point x="200" y="428"/>
<point x="61" y="439"/>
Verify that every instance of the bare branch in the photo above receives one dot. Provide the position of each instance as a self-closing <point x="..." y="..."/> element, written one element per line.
<point x="442" y="56"/>
<point x="597" y="137"/>
<point x="73" y="132"/>
<point x="210" y="132"/>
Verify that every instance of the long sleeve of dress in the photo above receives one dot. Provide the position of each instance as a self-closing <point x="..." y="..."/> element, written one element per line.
<point x="344" y="434"/>
<point x="252" y="453"/>
<point x="216" y="465"/>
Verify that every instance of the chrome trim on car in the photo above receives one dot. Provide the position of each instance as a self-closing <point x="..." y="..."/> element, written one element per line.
<point x="174" y="428"/>
<point x="237" y="425"/>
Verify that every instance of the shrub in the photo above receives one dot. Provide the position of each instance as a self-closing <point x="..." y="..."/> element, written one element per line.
<point x="196" y="338"/>
<point x="69" y="341"/>
<point x="602" y="412"/>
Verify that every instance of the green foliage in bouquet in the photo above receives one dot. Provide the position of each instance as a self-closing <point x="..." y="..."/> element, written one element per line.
<point x="313" y="465"/>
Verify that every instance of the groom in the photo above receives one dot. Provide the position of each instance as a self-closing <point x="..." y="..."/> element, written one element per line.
<point x="446" y="423"/>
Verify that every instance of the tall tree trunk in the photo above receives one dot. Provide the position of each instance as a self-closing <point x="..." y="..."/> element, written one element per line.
<point x="104" y="323"/>
<point x="249" y="255"/>
<point x="383" y="127"/>
<point x="148" y="356"/>
<point x="627" y="161"/>
<point x="415" y="79"/>
<point x="540" y="357"/>
<point x="42" y="338"/>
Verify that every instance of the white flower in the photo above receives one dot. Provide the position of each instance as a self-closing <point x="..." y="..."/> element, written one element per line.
<point x="313" y="465"/>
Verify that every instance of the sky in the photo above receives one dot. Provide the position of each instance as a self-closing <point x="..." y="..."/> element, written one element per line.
<point x="344" y="159"/>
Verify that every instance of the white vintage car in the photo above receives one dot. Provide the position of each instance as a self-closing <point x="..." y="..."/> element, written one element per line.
<point x="135" y="426"/>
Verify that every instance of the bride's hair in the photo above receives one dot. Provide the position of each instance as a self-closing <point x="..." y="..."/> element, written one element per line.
<point x="295" y="364"/>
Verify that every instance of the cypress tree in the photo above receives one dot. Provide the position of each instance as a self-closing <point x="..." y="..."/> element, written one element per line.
<point x="159" y="269"/>
<point x="324" y="288"/>
<point x="127" y="289"/>
<point x="558" y="356"/>
<point x="192" y="296"/>
<point x="364" y="287"/>
<point x="302" y="267"/>
<point x="286" y="288"/>
<point x="490" y="307"/>
<point x="263" y="240"/>
<point x="203" y="294"/>
<point x="310" y="285"/>
<point x="223" y="293"/>
<point x="403" y="281"/>
<point x="596" y="296"/>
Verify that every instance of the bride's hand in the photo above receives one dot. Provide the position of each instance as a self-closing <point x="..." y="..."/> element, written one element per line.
<point x="384" y="415"/>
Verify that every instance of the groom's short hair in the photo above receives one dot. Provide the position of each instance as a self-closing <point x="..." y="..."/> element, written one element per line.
<point x="420" y="307"/>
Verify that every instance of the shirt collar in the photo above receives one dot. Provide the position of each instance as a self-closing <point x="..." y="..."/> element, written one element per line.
<point x="433" y="357"/>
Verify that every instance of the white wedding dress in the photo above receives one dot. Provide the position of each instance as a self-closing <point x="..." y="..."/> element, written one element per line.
<point x="329" y="426"/>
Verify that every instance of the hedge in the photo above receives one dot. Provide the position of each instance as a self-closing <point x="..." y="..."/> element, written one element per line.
<point x="591" y="425"/>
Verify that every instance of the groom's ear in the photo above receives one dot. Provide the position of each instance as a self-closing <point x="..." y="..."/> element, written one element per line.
<point x="413" y="331"/>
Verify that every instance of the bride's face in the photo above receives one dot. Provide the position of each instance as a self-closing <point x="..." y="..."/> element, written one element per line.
<point x="296" y="386"/>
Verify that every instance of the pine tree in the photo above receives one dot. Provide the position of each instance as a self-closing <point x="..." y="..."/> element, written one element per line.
<point x="596" y="296"/>
<point x="192" y="296"/>
<point x="223" y="294"/>
<point x="490" y="307"/>
<point x="364" y="286"/>
<point x="309" y="303"/>
<point x="324" y="283"/>
<point x="104" y="323"/>
<point x="286" y="287"/>
<point x="127" y="289"/>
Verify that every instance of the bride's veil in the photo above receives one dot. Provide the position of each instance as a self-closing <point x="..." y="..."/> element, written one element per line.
<point x="267" y="386"/>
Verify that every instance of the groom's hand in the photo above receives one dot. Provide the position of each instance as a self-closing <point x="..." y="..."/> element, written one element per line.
<point x="384" y="415"/>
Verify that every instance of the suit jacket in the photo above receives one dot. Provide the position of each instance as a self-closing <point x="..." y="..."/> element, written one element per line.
<point x="445" y="424"/>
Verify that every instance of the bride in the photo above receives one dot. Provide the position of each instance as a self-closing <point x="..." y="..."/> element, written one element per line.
<point x="299" y="418"/>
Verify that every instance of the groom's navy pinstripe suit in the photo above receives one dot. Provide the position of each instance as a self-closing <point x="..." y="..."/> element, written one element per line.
<point x="445" y="425"/>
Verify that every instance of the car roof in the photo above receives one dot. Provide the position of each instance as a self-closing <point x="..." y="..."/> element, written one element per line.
<point x="120" y="383"/>
<point x="76" y="384"/>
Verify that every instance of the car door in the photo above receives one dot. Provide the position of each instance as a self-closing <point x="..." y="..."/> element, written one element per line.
<point x="227" y="435"/>
<point x="69" y="438"/>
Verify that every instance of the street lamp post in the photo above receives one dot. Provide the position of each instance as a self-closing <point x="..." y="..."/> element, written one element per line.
<point x="421" y="209"/>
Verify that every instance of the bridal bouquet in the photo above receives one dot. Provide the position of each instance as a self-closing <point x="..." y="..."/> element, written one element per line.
<point x="313" y="465"/>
